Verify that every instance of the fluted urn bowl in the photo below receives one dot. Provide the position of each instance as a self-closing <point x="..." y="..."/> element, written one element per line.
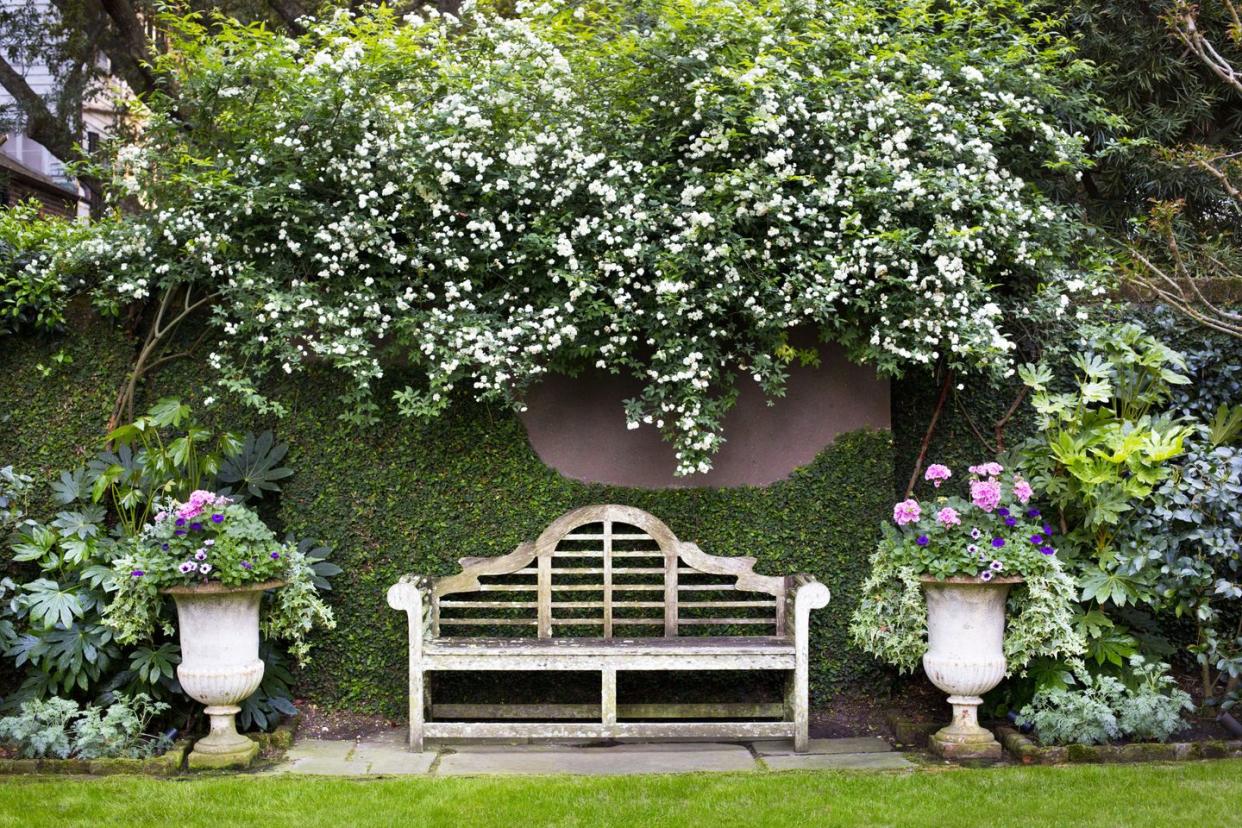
<point x="965" y="657"/>
<point x="220" y="666"/>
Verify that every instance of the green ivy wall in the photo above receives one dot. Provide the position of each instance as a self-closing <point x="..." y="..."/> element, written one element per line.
<point x="403" y="496"/>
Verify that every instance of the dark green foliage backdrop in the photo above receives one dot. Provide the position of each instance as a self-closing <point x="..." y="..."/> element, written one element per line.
<point x="403" y="496"/>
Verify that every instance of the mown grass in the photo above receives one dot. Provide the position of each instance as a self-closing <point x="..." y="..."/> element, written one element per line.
<point x="1199" y="793"/>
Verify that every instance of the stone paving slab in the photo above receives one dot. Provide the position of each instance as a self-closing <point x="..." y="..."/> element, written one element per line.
<point x="381" y="757"/>
<point x="386" y="755"/>
<point x="856" y="744"/>
<point x="617" y="759"/>
<point x="838" y="761"/>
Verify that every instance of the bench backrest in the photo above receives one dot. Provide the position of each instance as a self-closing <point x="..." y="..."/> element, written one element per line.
<point x="609" y="571"/>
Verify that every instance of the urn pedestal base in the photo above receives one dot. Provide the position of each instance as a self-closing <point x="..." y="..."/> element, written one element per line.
<point x="240" y="757"/>
<point x="964" y="738"/>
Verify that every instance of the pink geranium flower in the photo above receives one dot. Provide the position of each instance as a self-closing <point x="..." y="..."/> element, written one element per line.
<point x="937" y="473"/>
<point x="985" y="494"/>
<point x="195" y="503"/>
<point x="907" y="511"/>
<point x="948" y="517"/>
<point x="1022" y="490"/>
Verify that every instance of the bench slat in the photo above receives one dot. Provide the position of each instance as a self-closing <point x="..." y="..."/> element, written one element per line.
<point x="622" y="730"/>
<point x="553" y="710"/>
<point x="728" y="622"/>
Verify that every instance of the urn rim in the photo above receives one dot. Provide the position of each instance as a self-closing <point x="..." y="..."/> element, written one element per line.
<point x="972" y="580"/>
<point x="217" y="588"/>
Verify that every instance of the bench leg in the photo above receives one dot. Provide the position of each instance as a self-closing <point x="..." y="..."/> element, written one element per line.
<point x="800" y="703"/>
<point x="608" y="696"/>
<point x="418" y="706"/>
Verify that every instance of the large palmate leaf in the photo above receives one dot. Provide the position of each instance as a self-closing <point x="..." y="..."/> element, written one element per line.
<point x="49" y="604"/>
<point x="257" y="467"/>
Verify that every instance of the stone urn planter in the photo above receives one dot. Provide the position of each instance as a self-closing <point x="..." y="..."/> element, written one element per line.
<point x="220" y="666"/>
<point x="965" y="657"/>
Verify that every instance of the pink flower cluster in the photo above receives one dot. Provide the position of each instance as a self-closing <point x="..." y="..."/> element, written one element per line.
<point x="1022" y="490"/>
<point x="936" y="474"/>
<point x="987" y="469"/>
<point x="907" y="511"/>
<point x="198" y="501"/>
<point x="948" y="516"/>
<point x="986" y="494"/>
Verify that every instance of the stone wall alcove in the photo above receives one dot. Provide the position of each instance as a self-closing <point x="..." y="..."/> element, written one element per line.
<point x="577" y="426"/>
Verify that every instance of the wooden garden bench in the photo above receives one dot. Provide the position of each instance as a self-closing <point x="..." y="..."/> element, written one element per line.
<point x="614" y="573"/>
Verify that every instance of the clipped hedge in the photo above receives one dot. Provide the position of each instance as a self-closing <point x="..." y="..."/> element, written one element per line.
<point x="403" y="496"/>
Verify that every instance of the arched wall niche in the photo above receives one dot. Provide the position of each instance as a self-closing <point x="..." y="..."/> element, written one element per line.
<point x="577" y="426"/>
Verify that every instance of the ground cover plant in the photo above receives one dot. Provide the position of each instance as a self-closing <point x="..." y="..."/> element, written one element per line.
<point x="1081" y="795"/>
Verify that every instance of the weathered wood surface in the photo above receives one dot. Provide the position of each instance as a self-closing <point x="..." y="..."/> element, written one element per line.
<point x="620" y="730"/>
<point x="725" y="710"/>
<point x="643" y="593"/>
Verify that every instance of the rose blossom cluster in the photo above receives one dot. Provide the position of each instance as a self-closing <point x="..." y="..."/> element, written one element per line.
<point x="400" y="189"/>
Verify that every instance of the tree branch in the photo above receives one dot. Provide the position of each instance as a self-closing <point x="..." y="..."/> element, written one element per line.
<point x="41" y="124"/>
<point x="290" y="13"/>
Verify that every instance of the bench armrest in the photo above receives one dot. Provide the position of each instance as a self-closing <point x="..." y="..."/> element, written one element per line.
<point x="806" y="590"/>
<point x="409" y="592"/>
<point x="803" y="594"/>
<point x="412" y="594"/>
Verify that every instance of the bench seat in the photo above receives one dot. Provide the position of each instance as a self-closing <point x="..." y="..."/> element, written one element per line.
<point x="684" y="653"/>
<point x="639" y="600"/>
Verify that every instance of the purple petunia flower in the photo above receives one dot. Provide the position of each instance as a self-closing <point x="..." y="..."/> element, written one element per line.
<point x="137" y="573"/>
<point x="972" y="548"/>
<point x="921" y="540"/>
<point x="1047" y="550"/>
<point x="217" y="518"/>
<point x="187" y="567"/>
<point x="1032" y="513"/>
<point x="200" y="555"/>
<point x="996" y="566"/>
<point x="1011" y="521"/>
<point x="985" y="575"/>
<point x="247" y="565"/>
<point x="179" y="533"/>
<point x="180" y="521"/>
<point x="1037" y="539"/>
<point x="209" y="542"/>
<point x="164" y="546"/>
<point x="998" y="542"/>
<point x="975" y="533"/>
<point x="275" y="556"/>
<point x="196" y="527"/>
<point x="1003" y="512"/>
<point x="204" y="568"/>
<point x="1047" y="530"/>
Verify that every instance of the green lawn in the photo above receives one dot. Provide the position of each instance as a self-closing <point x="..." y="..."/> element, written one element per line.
<point x="1197" y="793"/>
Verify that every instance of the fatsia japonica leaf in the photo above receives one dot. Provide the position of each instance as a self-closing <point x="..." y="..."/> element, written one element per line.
<point x="49" y="604"/>
<point x="257" y="467"/>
